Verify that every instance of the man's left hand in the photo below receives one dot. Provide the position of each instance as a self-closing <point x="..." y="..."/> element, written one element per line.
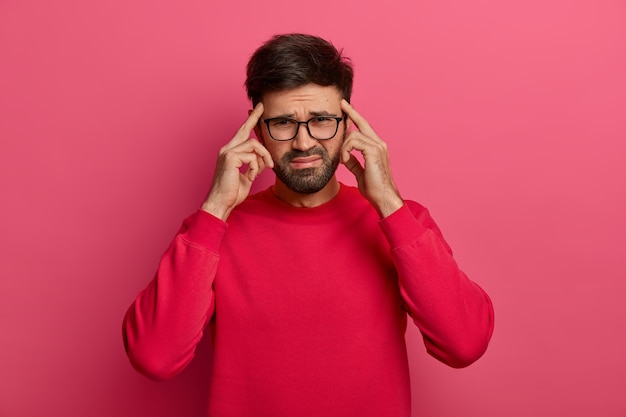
<point x="374" y="176"/>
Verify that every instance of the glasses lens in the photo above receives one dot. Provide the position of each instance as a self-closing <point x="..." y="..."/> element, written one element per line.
<point x="282" y="128"/>
<point x="323" y="127"/>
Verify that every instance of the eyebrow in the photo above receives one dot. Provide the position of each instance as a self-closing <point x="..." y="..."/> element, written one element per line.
<point x="311" y="113"/>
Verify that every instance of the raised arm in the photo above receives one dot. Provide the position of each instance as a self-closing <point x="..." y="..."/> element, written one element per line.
<point x="454" y="315"/>
<point x="165" y="323"/>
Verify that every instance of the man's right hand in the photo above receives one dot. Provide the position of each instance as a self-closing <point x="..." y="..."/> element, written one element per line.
<point x="230" y="185"/>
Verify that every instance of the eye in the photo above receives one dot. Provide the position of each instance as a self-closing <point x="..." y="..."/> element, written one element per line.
<point x="322" y="120"/>
<point x="281" y="122"/>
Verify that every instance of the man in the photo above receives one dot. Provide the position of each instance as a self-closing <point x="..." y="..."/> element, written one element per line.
<point x="306" y="286"/>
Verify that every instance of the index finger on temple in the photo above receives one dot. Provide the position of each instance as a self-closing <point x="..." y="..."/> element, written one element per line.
<point x="251" y="121"/>
<point x="358" y="120"/>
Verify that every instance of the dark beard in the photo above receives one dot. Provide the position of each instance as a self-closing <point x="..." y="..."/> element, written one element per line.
<point x="306" y="180"/>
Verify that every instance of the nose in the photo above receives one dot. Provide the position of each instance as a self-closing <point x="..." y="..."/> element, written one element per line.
<point x="303" y="141"/>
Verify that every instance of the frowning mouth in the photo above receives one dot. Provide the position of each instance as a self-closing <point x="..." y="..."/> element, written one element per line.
<point x="306" y="162"/>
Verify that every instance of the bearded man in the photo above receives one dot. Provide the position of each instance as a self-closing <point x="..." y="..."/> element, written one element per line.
<point x="306" y="287"/>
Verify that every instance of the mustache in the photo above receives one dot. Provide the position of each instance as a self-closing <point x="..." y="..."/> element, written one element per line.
<point x="302" y="154"/>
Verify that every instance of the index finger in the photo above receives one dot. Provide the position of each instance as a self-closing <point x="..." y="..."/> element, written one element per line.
<point x="243" y="134"/>
<point x="358" y="120"/>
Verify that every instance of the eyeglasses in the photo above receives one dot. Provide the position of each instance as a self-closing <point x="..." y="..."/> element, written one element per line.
<point x="319" y="127"/>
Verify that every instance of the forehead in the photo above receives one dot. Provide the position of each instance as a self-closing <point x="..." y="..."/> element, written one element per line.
<point x="309" y="98"/>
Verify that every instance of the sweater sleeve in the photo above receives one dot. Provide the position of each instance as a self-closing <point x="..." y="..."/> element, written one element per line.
<point x="454" y="315"/>
<point x="165" y="323"/>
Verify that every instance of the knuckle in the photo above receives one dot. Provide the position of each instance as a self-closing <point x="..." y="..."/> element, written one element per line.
<point x="229" y="156"/>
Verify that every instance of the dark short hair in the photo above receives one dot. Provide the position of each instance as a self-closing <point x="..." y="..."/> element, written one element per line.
<point x="293" y="60"/>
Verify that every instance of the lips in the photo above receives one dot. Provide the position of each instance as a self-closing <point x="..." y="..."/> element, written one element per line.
<point x="306" y="162"/>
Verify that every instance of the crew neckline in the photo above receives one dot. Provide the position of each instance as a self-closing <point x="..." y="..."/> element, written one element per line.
<point x="329" y="209"/>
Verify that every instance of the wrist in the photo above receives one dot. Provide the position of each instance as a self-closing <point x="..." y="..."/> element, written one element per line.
<point x="389" y="205"/>
<point x="215" y="209"/>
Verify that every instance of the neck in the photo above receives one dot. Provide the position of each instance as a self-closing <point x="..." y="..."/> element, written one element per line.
<point x="323" y="196"/>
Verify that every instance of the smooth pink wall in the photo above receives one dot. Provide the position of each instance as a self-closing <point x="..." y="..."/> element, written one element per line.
<point x="506" y="118"/>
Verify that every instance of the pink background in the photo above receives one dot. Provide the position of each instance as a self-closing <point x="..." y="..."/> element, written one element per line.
<point x="505" y="118"/>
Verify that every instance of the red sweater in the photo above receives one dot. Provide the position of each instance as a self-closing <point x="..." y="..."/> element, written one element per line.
<point x="307" y="307"/>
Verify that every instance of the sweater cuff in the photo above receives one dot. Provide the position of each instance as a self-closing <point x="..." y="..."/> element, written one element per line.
<point x="401" y="227"/>
<point x="205" y="230"/>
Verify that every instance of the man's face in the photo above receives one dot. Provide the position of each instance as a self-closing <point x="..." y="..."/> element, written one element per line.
<point x="304" y="164"/>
